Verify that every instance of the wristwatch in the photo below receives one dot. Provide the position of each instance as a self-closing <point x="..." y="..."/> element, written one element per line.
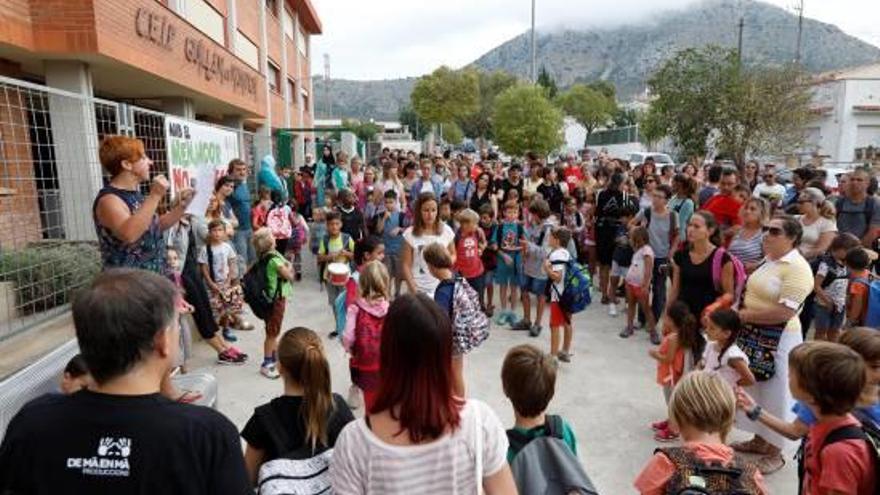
<point x="755" y="413"/>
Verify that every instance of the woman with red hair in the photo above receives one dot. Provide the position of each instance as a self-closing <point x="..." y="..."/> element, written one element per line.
<point x="419" y="437"/>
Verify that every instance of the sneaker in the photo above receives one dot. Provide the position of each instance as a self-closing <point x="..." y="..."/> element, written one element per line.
<point x="229" y="357"/>
<point x="563" y="356"/>
<point x="237" y="352"/>
<point x="500" y="318"/>
<point x="354" y="397"/>
<point x="655" y="338"/>
<point x="665" y="435"/>
<point x="612" y="310"/>
<point x="535" y="330"/>
<point x="270" y="371"/>
<point x="660" y="425"/>
<point x="626" y="332"/>
<point x="511" y="318"/>
<point x="228" y="336"/>
<point x="523" y="324"/>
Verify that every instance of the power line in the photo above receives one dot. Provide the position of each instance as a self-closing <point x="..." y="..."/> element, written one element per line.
<point x="800" y="28"/>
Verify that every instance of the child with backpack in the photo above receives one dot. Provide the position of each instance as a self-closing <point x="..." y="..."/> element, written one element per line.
<point x="299" y="237"/>
<point x="555" y="267"/>
<point x="535" y="248"/>
<point x="831" y="282"/>
<point x="469" y="245"/>
<point x="621" y="260"/>
<point x="280" y="220"/>
<point x="219" y="266"/>
<point x="675" y="357"/>
<point x="722" y="355"/>
<point x="470" y="326"/>
<point x="507" y="243"/>
<point x="489" y="257"/>
<point x="638" y="282"/>
<point x="866" y="342"/>
<point x="352" y="218"/>
<point x="702" y="408"/>
<point x="839" y="457"/>
<point x="290" y="439"/>
<point x="261" y="208"/>
<point x="335" y="247"/>
<point x="279" y="273"/>
<point x="857" y="307"/>
<point x="528" y="377"/>
<point x="363" y="329"/>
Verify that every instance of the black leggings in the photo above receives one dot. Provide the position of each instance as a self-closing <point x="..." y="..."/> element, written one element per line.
<point x="197" y="295"/>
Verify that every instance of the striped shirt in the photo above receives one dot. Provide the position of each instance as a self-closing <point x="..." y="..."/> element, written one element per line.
<point x="749" y="250"/>
<point x="364" y="464"/>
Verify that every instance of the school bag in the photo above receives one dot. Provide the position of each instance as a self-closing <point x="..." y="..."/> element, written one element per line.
<point x="278" y="222"/>
<point x="694" y="476"/>
<point x="255" y="286"/>
<point x="739" y="274"/>
<point x="575" y="295"/>
<point x="302" y="470"/>
<point x="869" y="432"/>
<point x="470" y="325"/>
<point x="368" y="336"/>
<point x="545" y="465"/>
<point x="872" y="315"/>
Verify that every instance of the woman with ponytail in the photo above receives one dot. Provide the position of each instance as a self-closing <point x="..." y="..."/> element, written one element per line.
<point x="309" y="415"/>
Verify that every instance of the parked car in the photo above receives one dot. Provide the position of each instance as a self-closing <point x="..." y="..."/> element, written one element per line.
<point x="660" y="159"/>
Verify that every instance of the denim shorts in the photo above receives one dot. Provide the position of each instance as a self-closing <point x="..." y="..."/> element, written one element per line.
<point x="532" y="285"/>
<point x="827" y="318"/>
<point x="508" y="274"/>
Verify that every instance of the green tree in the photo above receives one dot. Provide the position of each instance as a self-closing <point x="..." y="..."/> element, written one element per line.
<point x="624" y="117"/>
<point x="446" y="95"/>
<point x="546" y="81"/>
<point x="452" y="133"/>
<point x="365" y="131"/>
<point x="605" y="87"/>
<point x="590" y="107"/>
<point x="689" y="90"/>
<point x="478" y="125"/>
<point x="408" y="117"/>
<point x="525" y="119"/>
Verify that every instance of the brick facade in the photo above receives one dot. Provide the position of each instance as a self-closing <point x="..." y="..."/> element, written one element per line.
<point x="19" y="207"/>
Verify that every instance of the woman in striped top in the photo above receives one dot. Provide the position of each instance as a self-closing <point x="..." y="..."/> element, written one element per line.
<point x="418" y="437"/>
<point x="747" y="244"/>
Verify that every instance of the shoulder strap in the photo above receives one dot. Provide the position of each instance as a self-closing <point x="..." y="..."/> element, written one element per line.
<point x="211" y="262"/>
<point x="520" y="231"/>
<point x="274" y="428"/>
<point x="554" y="426"/>
<point x="647" y="213"/>
<point x="850" y="432"/>
<point x="325" y="242"/>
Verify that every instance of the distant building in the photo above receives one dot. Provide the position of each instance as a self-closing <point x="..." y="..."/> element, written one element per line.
<point x="846" y="104"/>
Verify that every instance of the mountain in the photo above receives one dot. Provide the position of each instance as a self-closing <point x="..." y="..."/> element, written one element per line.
<point x="627" y="55"/>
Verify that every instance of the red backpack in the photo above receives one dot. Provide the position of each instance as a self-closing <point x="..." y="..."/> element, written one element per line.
<point x="367" y="338"/>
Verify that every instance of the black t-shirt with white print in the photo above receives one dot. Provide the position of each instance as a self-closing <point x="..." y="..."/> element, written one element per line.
<point x="94" y="443"/>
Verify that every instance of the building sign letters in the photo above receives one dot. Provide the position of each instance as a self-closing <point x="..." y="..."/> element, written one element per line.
<point x="209" y="61"/>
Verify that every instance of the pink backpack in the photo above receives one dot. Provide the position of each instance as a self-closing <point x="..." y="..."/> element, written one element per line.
<point x="739" y="274"/>
<point x="278" y="221"/>
<point x="368" y="337"/>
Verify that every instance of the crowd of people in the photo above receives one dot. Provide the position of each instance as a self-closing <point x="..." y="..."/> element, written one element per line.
<point x="724" y="269"/>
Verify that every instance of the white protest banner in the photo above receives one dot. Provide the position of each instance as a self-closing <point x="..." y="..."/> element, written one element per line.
<point x="197" y="156"/>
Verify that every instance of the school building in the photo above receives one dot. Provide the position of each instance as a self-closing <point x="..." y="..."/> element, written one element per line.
<point x="72" y="71"/>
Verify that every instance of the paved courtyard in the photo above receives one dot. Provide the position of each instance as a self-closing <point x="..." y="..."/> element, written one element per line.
<point x="607" y="392"/>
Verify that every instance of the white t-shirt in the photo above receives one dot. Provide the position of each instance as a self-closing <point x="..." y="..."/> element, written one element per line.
<point x="220" y="254"/>
<point x="635" y="275"/>
<point x="729" y="374"/>
<point x="558" y="258"/>
<point x="813" y="231"/>
<point x="364" y="464"/>
<point x="425" y="282"/>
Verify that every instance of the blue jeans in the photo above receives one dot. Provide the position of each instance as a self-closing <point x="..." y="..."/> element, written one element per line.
<point x="244" y="248"/>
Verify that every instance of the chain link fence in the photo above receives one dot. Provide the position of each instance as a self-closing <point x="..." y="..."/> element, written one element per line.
<point x="49" y="177"/>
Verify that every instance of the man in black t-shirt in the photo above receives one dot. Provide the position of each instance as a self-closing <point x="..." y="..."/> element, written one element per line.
<point x="121" y="436"/>
<point x="513" y="181"/>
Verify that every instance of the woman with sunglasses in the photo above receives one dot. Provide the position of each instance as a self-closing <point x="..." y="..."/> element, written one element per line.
<point x="819" y="221"/>
<point x="774" y="294"/>
<point x="750" y="174"/>
<point x="647" y="191"/>
<point x="748" y="243"/>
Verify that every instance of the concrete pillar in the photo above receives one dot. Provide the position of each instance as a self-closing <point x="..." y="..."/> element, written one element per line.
<point x="179" y="106"/>
<point x="231" y="25"/>
<point x="285" y="90"/>
<point x="76" y="146"/>
<point x="236" y="122"/>
<point x="300" y="108"/>
<point x="264" y="65"/>
<point x="299" y="150"/>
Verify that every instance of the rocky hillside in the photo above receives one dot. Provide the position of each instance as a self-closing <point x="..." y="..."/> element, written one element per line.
<point x="627" y="55"/>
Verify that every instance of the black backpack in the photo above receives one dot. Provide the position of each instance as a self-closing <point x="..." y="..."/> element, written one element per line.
<point x="255" y="286"/>
<point x="693" y="476"/>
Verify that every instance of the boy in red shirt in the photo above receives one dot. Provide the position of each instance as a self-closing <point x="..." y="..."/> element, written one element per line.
<point x="724" y="205"/>
<point x="829" y="378"/>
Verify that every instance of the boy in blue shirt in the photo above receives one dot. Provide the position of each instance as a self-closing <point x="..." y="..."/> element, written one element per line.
<point x="509" y="235"/>
<point x="392" y="223"/>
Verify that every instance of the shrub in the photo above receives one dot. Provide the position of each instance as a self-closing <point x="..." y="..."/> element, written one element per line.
<point x="46" y="274"/>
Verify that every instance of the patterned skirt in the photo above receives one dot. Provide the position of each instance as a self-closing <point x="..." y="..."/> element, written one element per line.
<point x="226" y="304"/>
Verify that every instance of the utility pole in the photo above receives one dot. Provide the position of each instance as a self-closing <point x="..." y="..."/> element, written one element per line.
<point x="328" y="103"/>
<point x="739" y="43"/>
<point x="800" y="9"/>
<point x="534" y="63"/>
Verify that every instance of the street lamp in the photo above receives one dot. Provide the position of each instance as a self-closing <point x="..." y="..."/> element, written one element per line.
<point x="534" y="65"/>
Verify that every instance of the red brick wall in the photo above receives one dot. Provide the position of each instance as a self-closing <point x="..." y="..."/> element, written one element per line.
<point x="117" y="38"/>
<point x="249" y="19"/>
<point x="15" y="23"/>
<point x="277" y="102"/>
<point x="292" y="59"/>
<point x="273" y="35"/>
<point x="63" y="25"/>
<point x="19" y="209"/>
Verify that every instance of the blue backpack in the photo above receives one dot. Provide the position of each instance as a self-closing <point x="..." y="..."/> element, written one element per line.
<point x="872" y="315"/>
<point x="575" y="295"/>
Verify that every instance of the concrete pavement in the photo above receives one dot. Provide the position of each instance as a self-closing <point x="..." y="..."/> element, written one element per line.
<point x="607" y="392"/>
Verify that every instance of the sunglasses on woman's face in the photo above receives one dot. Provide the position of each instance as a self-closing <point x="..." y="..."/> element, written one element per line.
<point x="773" y="231"/>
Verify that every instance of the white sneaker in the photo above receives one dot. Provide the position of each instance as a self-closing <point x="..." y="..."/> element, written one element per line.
<point x="612" y="309"/>
<point x="270" y="371"/>
<point x="354" y="397"/>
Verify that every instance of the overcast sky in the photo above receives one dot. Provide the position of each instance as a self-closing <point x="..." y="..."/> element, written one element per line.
<point x="396" y="38"/>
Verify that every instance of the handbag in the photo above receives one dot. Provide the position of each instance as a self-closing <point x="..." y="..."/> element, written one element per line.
<point x="759" y="343"/>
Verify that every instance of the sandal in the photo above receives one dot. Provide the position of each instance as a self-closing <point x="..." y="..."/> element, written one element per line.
<point x="665" y="435"/>
<point x="753" y="446"/>
<point x="769" y="464"/>
<point x="189" y="397"/>
<point x="626" y="333"/>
